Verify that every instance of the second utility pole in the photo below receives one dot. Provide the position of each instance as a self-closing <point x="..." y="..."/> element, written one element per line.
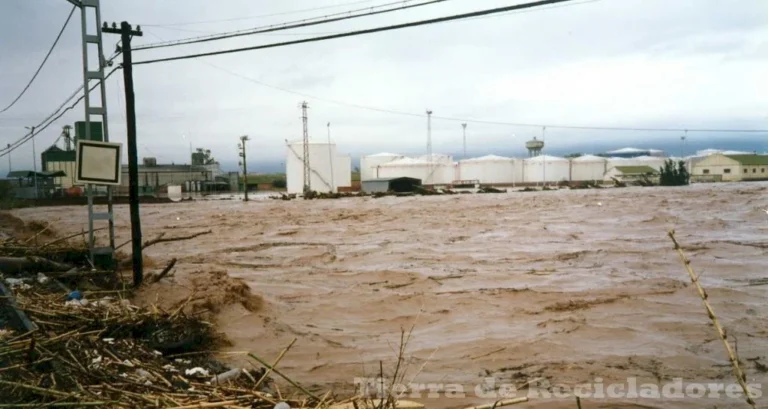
<point x="126" y="33"/>
<point x="243" y="139"/>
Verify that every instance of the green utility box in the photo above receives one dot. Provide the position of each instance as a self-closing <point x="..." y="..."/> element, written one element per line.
<point x="97" y="131"/>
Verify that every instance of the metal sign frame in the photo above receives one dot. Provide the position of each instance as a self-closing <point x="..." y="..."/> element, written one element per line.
<point x="114" y="179"/>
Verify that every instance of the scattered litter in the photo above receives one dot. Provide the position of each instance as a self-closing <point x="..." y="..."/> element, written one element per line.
<point x="110" y="341"/>
<point x="230" y="375"/>
<point x="282" y="405"/>
<point x="128" y="363"/>
<point x="182" y="361"/>
<point x="42" y="278"/>
<point x="144" y="374"/>
<point x="75" y="295"/>
<point x="196" y="371"/>
<point x="76" y="303"/>
<point x="17" y="283"/>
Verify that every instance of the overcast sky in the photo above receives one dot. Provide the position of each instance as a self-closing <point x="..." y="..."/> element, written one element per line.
<point x="637" y="63"/>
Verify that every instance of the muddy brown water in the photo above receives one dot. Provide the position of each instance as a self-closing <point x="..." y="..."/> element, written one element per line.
<point x="568" y="286"/>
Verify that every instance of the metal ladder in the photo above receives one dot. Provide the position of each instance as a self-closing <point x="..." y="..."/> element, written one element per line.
<point x="87" y="6"/>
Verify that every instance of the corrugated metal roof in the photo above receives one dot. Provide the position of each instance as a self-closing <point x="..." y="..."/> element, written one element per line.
<point x="636" y="170"/>
<point x="17" y="174"/>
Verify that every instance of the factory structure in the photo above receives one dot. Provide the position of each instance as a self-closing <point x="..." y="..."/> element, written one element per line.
<point x="538" y="168"/>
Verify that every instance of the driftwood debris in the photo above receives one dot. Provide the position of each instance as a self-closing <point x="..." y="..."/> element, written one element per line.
<point x="31" y="264"/>
<point x="162" y="239"/>
<point x="165" y="271"/>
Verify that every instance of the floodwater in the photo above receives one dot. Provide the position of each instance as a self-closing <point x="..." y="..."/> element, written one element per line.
<point x="568" y="286"/>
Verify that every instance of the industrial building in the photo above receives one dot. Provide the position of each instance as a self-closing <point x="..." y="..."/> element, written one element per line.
<point x="154" y="177"/>
<point x="730" y="168"/>
<point x="328" y="171"/>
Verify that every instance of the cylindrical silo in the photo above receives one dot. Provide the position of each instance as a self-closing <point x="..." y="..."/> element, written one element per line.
<point x="369" y="163"/>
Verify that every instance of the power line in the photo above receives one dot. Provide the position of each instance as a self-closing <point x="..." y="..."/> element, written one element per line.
<point x="477" y="121"/>
<point x="39" y="128"/>
<point x="43" y="63"/>
<point x="361" y="32"/>
<point x="346" y="15"/>
<point x="259" y="16"/>
<point x="25" y="138"/>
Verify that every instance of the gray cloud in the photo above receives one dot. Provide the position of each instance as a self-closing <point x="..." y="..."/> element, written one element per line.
<point x="683" y="63"/>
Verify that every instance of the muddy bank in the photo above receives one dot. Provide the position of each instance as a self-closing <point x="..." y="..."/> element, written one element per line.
<point x="566" y="285"/>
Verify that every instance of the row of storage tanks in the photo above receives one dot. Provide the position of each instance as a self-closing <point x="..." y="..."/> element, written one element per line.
<point x="492" y="169"/>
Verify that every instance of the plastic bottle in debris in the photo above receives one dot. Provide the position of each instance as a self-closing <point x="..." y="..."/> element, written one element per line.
<point x="230" y="375"/>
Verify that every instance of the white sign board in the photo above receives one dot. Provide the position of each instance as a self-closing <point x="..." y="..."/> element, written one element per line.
<point x="98" y="163"/>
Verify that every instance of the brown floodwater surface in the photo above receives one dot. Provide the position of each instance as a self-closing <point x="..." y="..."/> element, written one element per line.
<point x="567" y="286"/>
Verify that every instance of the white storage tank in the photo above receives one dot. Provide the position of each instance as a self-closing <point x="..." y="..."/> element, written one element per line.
<point x="326" y="166"/>
<point x="588" y="167"/>
<point x="545" y="168"/>
<point x="369" y="163"/>
<point x="491" y="169"/>
<point x="437" y="158"/>
<point x="342" y="171"/>
<point x="429" y="173"/>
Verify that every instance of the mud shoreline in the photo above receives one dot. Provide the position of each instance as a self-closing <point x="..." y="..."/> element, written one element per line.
<point x="568" y="286"/>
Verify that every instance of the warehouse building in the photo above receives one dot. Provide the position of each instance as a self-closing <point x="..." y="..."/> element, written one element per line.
<point x="730" y="168"/>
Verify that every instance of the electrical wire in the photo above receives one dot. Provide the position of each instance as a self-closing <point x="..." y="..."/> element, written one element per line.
<point x="39" y="128"/>
<point x="477" y="121"/>
<point x="259" y="16"/>
<point x="346" y="15"/>
<point x="361" y="32"/>
<point x="25" y="138"/>
<point x="43" y="63"/>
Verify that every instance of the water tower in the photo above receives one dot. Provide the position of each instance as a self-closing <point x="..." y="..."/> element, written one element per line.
<point x="534" y="147"/>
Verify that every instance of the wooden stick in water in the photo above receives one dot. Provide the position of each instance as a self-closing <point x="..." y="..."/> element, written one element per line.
<point x="277" y="361"/>
<point x="268" y="366"/>
<point x="737" y="372"/>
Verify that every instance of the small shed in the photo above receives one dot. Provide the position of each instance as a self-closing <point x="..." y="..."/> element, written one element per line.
<point x="24" y="183"/>
<point x="400" y="184"/>
<point x="631" y="173"/>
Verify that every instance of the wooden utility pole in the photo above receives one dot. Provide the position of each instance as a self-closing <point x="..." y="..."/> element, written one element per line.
<point x="244" y="139"/>
<point x="126" y="33"/>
